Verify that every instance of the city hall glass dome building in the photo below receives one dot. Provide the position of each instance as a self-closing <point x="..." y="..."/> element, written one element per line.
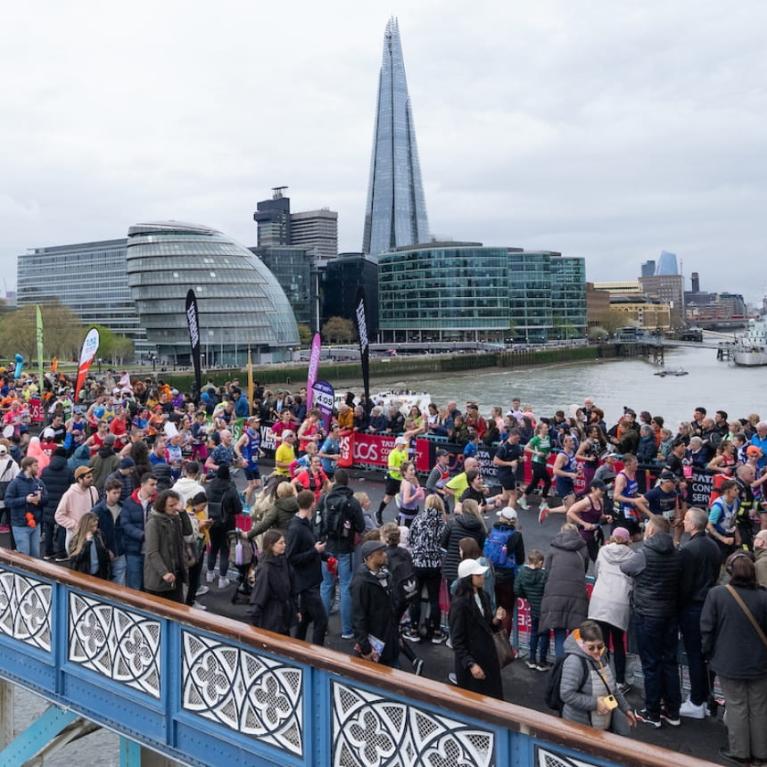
<point x="241" y="304"/>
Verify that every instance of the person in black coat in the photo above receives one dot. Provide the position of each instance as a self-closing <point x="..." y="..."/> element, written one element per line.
<point x="472" y="626"/>
<point x="224" y="505"/>
<point x="467" y="524"/>
<point x="273" y="596"/>
<point x="373" y="611"/>
<point x="57" y="478"/>
<point x="304" y="554"/>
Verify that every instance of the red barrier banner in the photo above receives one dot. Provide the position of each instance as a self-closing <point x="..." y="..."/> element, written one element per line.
<point x="373" y="450"/>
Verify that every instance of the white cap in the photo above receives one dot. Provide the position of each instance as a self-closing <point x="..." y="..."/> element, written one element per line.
<point x="48" y="433"/>
<point x="469" y="567"/>
<point x="508" y="513"/>
<point x="400" y="441"/>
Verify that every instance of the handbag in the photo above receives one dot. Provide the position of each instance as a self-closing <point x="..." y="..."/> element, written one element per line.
<point x="748" y="614"/>
<point x="503" y="649"/>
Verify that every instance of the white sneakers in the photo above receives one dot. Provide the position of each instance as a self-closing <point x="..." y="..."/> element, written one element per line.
<point x="691" y="711"/>
<point x="223" y="583"/>
<point x="210" y="576"/>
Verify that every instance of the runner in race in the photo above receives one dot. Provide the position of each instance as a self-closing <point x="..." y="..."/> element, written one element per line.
<point x="566" y="470"/>
<point x="630" y="507"/>
<point x="588" y="514"/>
<point x="248" y="451"/>
<point x="397" y="456"/>
<point x="506" y="460"/>
<point x="539" y="447"/>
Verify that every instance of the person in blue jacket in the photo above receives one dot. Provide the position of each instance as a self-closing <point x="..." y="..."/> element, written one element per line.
<point x="25" y="497"/>
<point x="132" y="518"/>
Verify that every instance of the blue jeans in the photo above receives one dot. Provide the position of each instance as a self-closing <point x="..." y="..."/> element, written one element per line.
<point x="657" y="641"/>
<point x="538" y="642"/>
<point x="134" y="571"/>
<point x="345" y="583"/>
<point x="27" y="540"/>
<point x="559" y="642"/>
<point x="119" y="568"/>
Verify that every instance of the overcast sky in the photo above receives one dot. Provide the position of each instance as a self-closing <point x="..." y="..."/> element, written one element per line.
<point x="599" y="129"/>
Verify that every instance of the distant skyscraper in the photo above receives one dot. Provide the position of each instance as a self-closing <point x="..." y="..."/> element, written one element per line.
<point x="666" y="265"/>
<point x="648" y="268"/>
<point x="395" y="215"/>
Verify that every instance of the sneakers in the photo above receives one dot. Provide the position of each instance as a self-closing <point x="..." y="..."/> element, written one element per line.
<point x="673" y="720"/>
<point x="691" y="711"/>
<point x="448" y="643"/>
<point x="418" y="666"/>
<point x="544" y="667"/>
<point x="223" y="583"/>
<point x="412" y="635"/>
<point x="643" y="715"/>
<point x="201" y="591"/>
<point x="49" y="557"/>
<point x="347" y="636"/>
<point x="199" y="606"/>
<point x="210" y="576"/>
<point x="531" y="664"/>
<point x="543" y="512"/>
<point x="61" y="558"/>
<point x="438" y="637"/>
<point x="452" y="678"/>
<point x="522" y="503"/>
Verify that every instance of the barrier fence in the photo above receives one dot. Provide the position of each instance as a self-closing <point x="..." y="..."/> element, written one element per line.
<point x="209" y="690"/>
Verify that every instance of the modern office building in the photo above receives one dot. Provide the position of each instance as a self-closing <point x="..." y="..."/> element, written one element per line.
<point x="343" y="278"/>
<point x="90" y="279"/>
<point x="468" y="292"/>
<point x="295" y="270"/>
<point x="648" y="268"/>
<point x="311" y="229"/>
<point x="241" y="304"/>
<point x="395" y="215"/>
<point x="667" y="265"/>
<point x="318" y="230"/>
<point x="668" y="289"/>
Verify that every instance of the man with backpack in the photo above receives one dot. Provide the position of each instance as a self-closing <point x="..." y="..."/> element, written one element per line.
<point x="338" y="520"/>
<point x="505" y="549"/>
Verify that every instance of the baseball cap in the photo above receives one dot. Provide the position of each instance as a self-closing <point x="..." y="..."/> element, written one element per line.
<point x="754" y="450"/>
<point x="81" y="471"/>
<point x="126" y="463"/>
<point x="48" y="433"/>
<point x="621" y="534"/>
<point x="441" y="452"/>
<point x="400" y="441"/>
<point x="3" y="450"/>
<point x="469" y="567"/>
<point x="508" y="513"/>
<point x="665" y="476"/>
<point x="370" y="547"/>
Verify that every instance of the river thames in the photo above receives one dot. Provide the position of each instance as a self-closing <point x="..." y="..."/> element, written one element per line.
<point x="612" y="384"/>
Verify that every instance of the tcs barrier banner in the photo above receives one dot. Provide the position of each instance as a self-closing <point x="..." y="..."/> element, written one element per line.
<point x="360" y="448"/>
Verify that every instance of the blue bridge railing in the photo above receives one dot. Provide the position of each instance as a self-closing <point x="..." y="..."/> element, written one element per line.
<point x="207" y="690"/>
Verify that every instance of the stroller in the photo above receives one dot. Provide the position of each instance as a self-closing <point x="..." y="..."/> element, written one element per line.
<point x="243" y="556"/>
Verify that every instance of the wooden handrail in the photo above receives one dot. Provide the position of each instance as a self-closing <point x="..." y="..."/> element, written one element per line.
<point x="624" y="751"/>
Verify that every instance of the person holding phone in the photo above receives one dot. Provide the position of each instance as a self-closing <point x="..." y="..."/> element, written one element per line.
<point x="588" y="689"/>
<point x="25" y="497"/>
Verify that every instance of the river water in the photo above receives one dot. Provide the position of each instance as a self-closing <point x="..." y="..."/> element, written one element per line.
<point x="612" y="384"/>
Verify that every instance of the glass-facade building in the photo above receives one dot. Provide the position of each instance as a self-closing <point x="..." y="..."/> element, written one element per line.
<point x="343" y="278"/>
<point x="90" y="279"/>
<point x="294" y="269"/>
<point x="395" y="214"/>
<point x="468" y="292"/>
<point x="241" y="304"/>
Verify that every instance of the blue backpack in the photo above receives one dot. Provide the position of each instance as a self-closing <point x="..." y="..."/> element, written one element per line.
<point x="498" y="550"/>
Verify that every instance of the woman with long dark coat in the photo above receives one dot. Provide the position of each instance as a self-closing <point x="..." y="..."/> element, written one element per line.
<point x="472" y="625"/>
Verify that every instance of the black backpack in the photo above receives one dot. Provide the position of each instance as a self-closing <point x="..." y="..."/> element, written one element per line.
<point x="335" y="517"/>
<point x="553" y="695"/>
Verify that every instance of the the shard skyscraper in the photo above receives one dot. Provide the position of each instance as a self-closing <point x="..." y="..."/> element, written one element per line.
<point x="396" y="210"/>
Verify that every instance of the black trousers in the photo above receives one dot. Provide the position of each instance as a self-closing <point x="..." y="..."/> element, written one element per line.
<point x="431" y="577"/>
<point x="176" y="594"/>
<point x="312" y="611"/>
<point x="219" y="549"/>
<point x="540" y="474"/>
<point x="194" y="581"/>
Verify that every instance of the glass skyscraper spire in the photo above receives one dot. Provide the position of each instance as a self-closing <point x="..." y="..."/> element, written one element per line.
<point x="396" y="210"/>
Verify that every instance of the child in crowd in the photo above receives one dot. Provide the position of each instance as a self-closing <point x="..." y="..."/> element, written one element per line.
<point x="529" y="584"/>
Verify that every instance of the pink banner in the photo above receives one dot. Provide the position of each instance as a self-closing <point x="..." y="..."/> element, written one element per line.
<point x="314" y="366"/>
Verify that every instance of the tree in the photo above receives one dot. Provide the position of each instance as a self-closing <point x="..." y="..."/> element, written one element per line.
<point x="337" y="330"/>
<point x="304" y="334"/>
<point x="598" y="333"/>
<point x="63" y="332"/>
<point x="113" y="348"/>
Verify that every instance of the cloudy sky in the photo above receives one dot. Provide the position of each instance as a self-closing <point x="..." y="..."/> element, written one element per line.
<point x="600" y="129"/>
